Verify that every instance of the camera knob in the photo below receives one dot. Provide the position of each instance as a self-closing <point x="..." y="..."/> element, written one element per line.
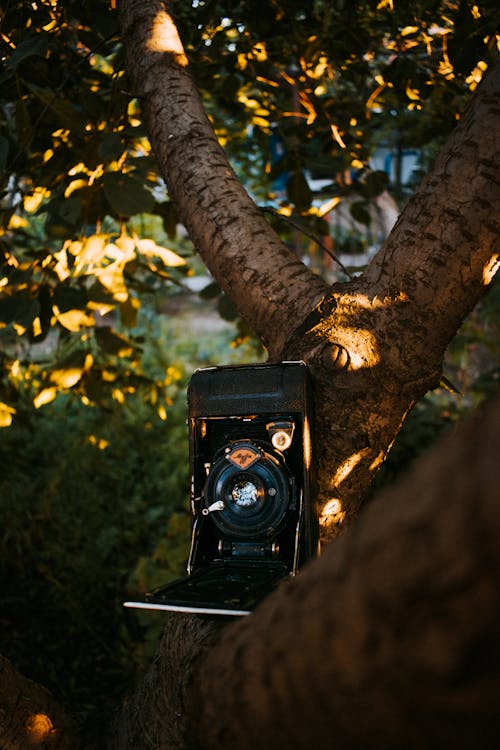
<point x="218" y="505"/>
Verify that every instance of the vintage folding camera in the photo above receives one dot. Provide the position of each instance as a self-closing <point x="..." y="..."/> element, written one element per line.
<point x="252" y="488"/>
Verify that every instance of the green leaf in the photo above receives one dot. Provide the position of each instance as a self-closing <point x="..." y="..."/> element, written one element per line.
<point x="67" y="112"/>
<point x="360" y="213"/>
<point x="111" y="147"/>
<point x="210" y="291"/>
<point x="20" y="308"/>
<point x="35" y="45"/>
<point x="126" y="195"/>
<point x="23" y="120"/>
<point x="129" y="311"/>
<point x="375" y="183"/>
<point x="169" y="217"/>
<point x="68" y="298"/>
<point x="113" y="343"/>
<point x="227" y="309"/>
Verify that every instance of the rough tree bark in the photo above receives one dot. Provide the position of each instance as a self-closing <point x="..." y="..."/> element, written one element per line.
<point x="390" y="640"/>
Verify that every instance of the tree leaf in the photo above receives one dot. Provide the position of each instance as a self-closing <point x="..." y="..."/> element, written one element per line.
<point x="359" y="213"/>
<point x="111" y="147"/>
<point x="6" y="413"/>
<point x="113" y="343"/>
<point x="34" y="45"/>
<point x="129" y="311"/>
<point x="126" y="195"/>
<point x="375" y="183"/>
<point x="68" y="298"/>
<point x="167" y="256"/>
<point x="210" y="291"/>
<point x="227" y="309"/>
<point x="67" y="377"/>
<point x="74" y="320"/>
<point x="45" y="397"/>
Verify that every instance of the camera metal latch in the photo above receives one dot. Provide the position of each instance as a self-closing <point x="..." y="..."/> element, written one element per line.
<point x="281" y="433"/>
<point x="218" y="505"/>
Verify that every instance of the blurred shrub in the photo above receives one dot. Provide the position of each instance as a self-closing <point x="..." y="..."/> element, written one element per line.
<point x="94" y="509"/>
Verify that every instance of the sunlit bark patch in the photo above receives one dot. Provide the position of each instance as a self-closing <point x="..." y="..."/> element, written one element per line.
<point x="333" y="513"/>
<point x="346" y="467"/>
<point x="164" y="38"/>
<point x="361" y="346"/>
<point x="490" y="269"/>
<point x="39" y="728"/>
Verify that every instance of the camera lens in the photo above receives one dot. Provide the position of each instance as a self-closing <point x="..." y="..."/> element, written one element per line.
<point x="253" y="488"/>
<point x="244" y="493"/>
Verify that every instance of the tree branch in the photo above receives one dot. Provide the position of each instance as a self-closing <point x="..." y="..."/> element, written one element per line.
<point x="443" y="251"/>
<point x="270" y="286"/>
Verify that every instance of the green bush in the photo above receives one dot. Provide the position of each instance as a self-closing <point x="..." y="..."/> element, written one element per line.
<point x="94" y="510"/>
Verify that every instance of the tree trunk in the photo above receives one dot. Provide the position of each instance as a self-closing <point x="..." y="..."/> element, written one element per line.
<point x="374" y="345"/>
<point x="389" y="640"/>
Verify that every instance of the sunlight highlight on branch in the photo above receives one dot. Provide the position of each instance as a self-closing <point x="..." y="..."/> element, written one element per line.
<point x="491" y="268"/>
<point x="39" y="728"/>
<point x="332" y="513"/>
<point x="347" y="466"/>
<point x="164" y="38"/>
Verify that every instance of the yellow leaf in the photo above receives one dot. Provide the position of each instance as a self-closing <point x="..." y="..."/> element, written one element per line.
<point x="125" y="244"/>
<point x="66" y="378"/>
<point x="118" y="395"/>
<point x="44" y="397"/>
<point x="6" y="413"/>
<point x="91" y="251"/>
<point x="40" y="728"/>
<point x="409" y="30"/>
<point x="168" y="257"/>
<point x="112" y="278"/>
<point x="33" y="202"/>
<point x="413" y="94"/>
<point x="61" y="267"/>
<point x="17" y="222"/>
<point x="328" y="206"/>
<point x="73" y="320"/>
<point x="74" y="185"/>
<point x="36" y="326"/>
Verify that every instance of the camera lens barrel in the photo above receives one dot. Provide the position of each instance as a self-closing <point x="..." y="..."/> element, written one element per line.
<point x="251" y="488"/>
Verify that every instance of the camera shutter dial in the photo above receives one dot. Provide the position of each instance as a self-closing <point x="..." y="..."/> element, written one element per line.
<point x="252" y="487"/>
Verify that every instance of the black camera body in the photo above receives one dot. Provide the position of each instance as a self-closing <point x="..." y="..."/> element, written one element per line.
<point x="252" y="487"/>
